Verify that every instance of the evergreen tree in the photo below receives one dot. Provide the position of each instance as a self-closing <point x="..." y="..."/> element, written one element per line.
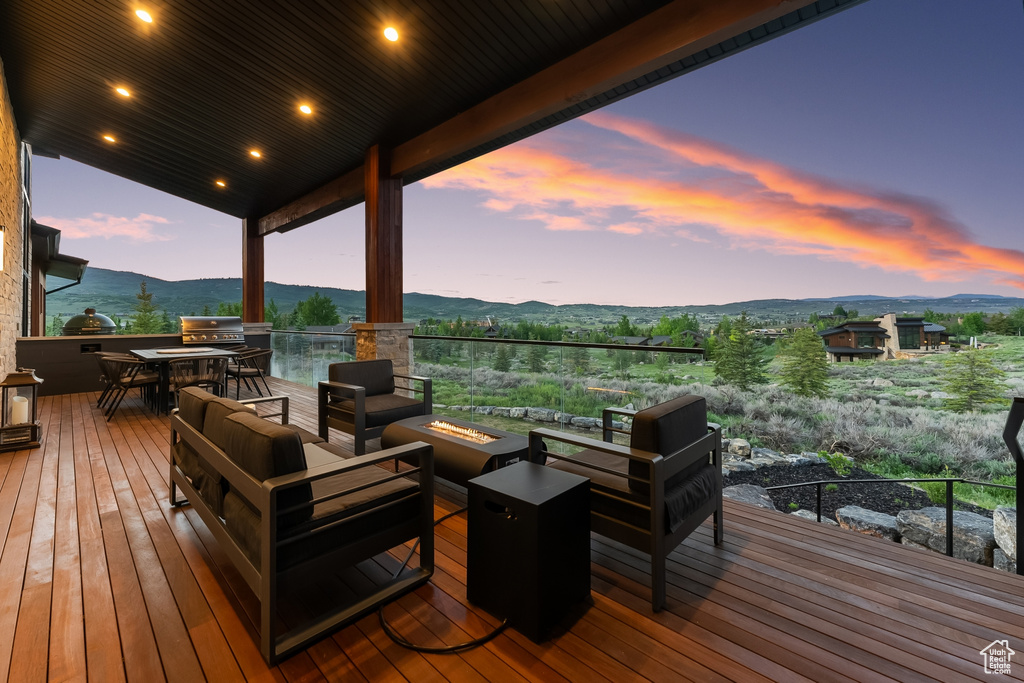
<point x="145" y="320"/>
<point x="167" y="325"/>
<point x="273" y="316"/>
<point x="230" y="308"/>
<point x="738" y="359"/>
<point x="535" y="357"/>
<point x="805" y="364"/>
<point x="56" y="326"/>
<point x="502" y="363"/>
<point x="973" y="324"/>
<point x="973" y="379"/>
<point x="207" y="310"/>
<point x="839" y="311"/>
<point x="579" y="360"/>
<point x="624" y="328"/>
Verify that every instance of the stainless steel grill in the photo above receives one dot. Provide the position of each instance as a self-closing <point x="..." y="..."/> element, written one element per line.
<point x="211" y="329"/>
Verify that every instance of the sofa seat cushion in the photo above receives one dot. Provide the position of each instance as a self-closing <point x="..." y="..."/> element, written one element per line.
<point x="304" y="436"/>
<point x="321" y="530"/>
<point x="381" y="410"/>
<point x="613" y="496"/>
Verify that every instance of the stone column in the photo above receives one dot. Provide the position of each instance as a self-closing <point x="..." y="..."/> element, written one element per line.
<point x="385" y="340"/>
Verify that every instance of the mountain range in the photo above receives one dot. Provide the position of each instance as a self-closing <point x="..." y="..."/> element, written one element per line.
<point x="112" y="292"/>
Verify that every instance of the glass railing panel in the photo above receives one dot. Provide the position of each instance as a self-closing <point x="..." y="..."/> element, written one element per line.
<point x="303" y="357"/>
<point x="519" y="386"/>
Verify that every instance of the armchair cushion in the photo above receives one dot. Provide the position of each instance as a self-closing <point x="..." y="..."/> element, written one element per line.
<point x="381" y="409"/>
<point x="664" y="429"/>
<point x="376" y="376"/>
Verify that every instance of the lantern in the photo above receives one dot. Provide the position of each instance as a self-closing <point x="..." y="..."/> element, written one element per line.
<point x="18" y="425"/>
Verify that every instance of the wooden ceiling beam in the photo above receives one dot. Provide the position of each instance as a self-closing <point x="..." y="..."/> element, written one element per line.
<point x="677" y="30"/>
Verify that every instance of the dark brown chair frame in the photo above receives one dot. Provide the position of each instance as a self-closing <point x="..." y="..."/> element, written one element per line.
<point x="249" y="366"/>
<point x="264" y="579"/>
<point x="357" y="426"/>
<point x="657" y="542"/>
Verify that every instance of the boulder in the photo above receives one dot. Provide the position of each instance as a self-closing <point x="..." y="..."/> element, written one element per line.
<point x="749" y="494"/>
<point x="879" y="382"/>
<point x="917" y="393"/>
<point x="541" y="414"/>
<point x="973" y="538"/>
<point x="563" y="418"/>
<point x="518" y="413"/>
<point x="738" y="466"/>
<point x="483" y="410"/>
<point x="1004" y="527"/>
<point x="1002" y="562"/>
<point x="740" y="447"/>
<point x="764" y="453"/>
<point x="868" y="522"/>
<point x="502" y="411"/>
<point x="813" y="516"/>
<point x="585" y="422"/>
<point x="941" y="394"/>
<point x="800" y="461"/>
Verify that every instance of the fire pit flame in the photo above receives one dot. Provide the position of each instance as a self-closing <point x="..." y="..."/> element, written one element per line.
<point x="467" y="433"/>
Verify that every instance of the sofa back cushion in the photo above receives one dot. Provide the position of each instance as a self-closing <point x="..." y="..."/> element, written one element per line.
<point x="376" y="376"/>
<point x="266" y="450"/>
<point x="664" y="429"/>
<point x="217" y="410"/>
<point x="192" y="402"/>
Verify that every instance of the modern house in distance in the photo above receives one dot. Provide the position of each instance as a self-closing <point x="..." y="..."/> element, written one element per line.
<point x="884" y="338"/>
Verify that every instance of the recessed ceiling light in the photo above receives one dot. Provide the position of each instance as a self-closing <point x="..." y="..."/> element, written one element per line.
<point x="144" y="15"/>
<point x="221" y="183"/>
<point x="391" y="33"/>
<point x="306" y="109"/>
<point x="123" y="92"/>
<point x="110" y="138"/>
<point x="255" y="153"/>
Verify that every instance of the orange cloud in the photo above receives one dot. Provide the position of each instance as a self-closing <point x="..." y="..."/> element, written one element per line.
<point x="677" y="185"/>
<point x="142" y="228"/>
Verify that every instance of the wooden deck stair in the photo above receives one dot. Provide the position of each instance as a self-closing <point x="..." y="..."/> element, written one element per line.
<point x="100" y="579"/>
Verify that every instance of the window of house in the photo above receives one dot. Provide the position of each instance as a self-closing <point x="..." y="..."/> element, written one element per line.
<point x="910" y="337"/>
<point x="865" y="340"/>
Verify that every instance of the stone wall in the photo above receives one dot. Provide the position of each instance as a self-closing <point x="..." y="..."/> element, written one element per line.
<point x="11" y="279"/>
<point x="385" y="340"/>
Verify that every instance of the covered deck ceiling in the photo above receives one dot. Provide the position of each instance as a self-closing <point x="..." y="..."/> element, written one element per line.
<point x="211" y="81"/>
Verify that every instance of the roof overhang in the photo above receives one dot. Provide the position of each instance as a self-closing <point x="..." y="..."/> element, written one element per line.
<point x="210" y="81"/>
<point x="46" y="253"/>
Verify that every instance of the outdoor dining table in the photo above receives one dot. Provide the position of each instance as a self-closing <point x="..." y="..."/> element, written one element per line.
<point x="166" y="355"/>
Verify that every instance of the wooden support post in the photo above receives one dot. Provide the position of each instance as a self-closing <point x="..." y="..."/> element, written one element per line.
<point x="383" y="239"/>
<point x="252" y="271"/>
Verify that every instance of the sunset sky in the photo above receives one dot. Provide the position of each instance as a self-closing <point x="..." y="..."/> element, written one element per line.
<point x="875" y="152"/>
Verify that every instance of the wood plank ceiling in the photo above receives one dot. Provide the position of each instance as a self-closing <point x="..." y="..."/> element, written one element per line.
<point x="211" y="80"/>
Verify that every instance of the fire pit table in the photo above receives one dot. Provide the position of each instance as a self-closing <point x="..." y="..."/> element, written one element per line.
<point x="462" y="450"/>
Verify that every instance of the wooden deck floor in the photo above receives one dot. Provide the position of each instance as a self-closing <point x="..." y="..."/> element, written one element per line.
<point x="100" y="579"/>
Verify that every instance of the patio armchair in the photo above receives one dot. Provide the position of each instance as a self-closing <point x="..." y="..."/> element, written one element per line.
<point x="651" y="494"/>
<point x="253" y="365"/>
<point x="125" y="373"/>
<point x="206" y="373"/>
<point x="360" y="398"/>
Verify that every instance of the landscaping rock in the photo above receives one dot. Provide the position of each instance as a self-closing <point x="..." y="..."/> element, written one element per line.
<point x="973" y="538"/>
<point x="749" y="494"/>
<point x="1004" y="527"/>
<point x="518" y="413"/>
<point x="541" y="414"/>
<point x="879" y="382"/>
<point x="800" y="461"/>
<point x="740" y="447"/>
<point x="483" y="410"/>
<point x="813" y="516"/>
<point x="917" y="393"/>
<point x="868" y="522"/>
<point x="1002" y="562"/>
<point x="725" y="444"/>
<point x="502" y="411"/>
<point x="586" y="422"/>
<point x="563" y="418"/>
<point x="941" y="394"/>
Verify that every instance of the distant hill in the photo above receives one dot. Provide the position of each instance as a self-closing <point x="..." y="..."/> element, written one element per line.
<point x="112" y="292"/>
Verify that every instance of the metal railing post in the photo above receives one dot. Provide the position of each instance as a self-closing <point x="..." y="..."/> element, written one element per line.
<point x="949" y="517"/>
<point x="818" y="487"/>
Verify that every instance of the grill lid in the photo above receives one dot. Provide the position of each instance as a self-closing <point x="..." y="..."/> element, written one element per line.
<point x="204" y="329"/>
<point x="89" y="322"/>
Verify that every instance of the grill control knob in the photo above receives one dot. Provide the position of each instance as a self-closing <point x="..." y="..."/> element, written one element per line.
<point x="203" y="337"/>
<point x="213" y="337"/>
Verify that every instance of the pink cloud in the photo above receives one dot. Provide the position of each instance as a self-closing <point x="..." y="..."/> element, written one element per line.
<point x="680" y="186"/>
<point x="142" y="228"/>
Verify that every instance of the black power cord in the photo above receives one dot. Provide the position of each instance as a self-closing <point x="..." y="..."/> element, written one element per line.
<point x="445" y="649"/>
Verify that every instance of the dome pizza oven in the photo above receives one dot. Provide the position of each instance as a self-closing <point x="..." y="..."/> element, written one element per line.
<point x="89" y="323"/>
